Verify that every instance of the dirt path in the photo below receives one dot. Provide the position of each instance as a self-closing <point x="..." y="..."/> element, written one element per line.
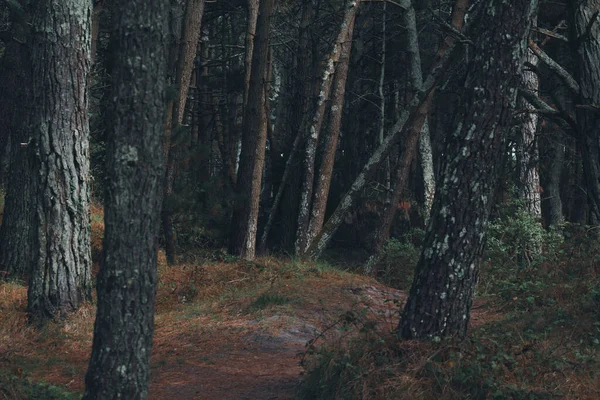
<point x="253" y="359"/>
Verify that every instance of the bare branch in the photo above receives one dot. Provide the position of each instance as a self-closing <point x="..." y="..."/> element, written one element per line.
<point x="556" y="67"/>
<point x="551" y="34"/>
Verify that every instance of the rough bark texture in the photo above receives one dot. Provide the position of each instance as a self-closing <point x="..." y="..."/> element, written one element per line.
<point x="191" y="27"/>
<point x="119" y="365"/>
<point x="311" y="128"/>
<point x="527" y="150"/>
<point x="60" y="276"/>
<point x="242" y="240"/>
<point x="15" y="113"/>
<point x="584" y="24"/>
<point x="441" y="294"/>
<point x="323" y="183"/>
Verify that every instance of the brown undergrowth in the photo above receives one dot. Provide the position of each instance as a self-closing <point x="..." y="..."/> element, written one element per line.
<point x="224" y="330"/>
<point x="230" y="329"/>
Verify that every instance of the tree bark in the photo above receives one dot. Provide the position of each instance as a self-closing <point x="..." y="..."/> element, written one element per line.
<point x="311" y="129"/>
<point x="242" y="240"/>
<point x="119" y="365"/>
<point x="15" y="118"/>
<point x="440" y="298"/>
<point x="60" y="276"/>
<point x="527" y="150"/>
<point x="584" y="25"/>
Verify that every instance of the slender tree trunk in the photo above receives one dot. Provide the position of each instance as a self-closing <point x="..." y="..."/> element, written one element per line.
<point x="119" y="365"/>
<point x="15" y="118"/>
<point x="420" y="129"/>
<point x="190" y="34"/>
<point x="61" y="258"/>
<point x="440" y="298"/>
<point x="527" y="150"/>
<point x="98" y="7"/>
<point x="249" y="48"/>
<point x="553" y="149"/>
<point x="245" y="214"/>
<point x="412" y="115"/>
<point x="311" y="129"/>
<point x="300" y="100"/>
<point x="584" y="38"/>
<point x="331" y="138"/>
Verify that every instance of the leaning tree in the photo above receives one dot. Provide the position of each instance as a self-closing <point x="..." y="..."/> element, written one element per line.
<point x="441" y="294"/>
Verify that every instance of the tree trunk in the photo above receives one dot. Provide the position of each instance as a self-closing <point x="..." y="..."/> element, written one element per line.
<point x="15" y="108"/>
<point x="190" y="34"/>
<point x="323" y="183"/>
<point x="440" y="299"/>
<point x="527" y="150"/>
<point x="119" y="365"/>
<point x="300" y="99"/>
<point x="418" y="130"/>
<point x="584" y="38"/>
<point x="245" y="214"/>
<point x="553" y="149"/>
<point x="252" y="19"/>
<point x="311" y="129"/>
<point x="412" y="115"/>
<point x="61" y="259"/>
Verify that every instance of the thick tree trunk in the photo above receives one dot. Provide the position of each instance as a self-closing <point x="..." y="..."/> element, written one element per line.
<point x="190" y="34"/>
<point x="311" y="128"/>
<point x="585" y="41"/>
<point x="15" y="116"/>
<point x="242" y="240"/>
<point x="61" y="260"/>
<point x="440" y="299"/>
<point x="119" y="365"/>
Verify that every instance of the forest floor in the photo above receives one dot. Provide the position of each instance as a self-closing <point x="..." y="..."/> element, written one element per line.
<point x="228" y="329"/>
<point x="223" y="330"/>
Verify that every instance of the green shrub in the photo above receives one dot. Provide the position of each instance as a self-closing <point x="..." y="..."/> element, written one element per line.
<point x="399" y="258"/>
<point x="516" y="238"/>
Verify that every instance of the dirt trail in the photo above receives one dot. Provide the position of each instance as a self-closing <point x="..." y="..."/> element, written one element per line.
<point x="256" y="358"/>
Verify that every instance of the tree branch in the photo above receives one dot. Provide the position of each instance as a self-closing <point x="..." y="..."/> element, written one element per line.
<point x="555" y="67"/>
<point x="564" y="120"/>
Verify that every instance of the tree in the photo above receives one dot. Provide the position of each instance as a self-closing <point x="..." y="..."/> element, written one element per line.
<point x="242" y="239"/>
<point x="419" y="130"/>
<point x="190" y="33"/>
<point x="310" y="128"/>
<point x="584" y="39"/>
<point x="15" y="114"/>
<point x="119" y="365"/>
<point x="60" y="277"/>
<point x="440" y="298"/>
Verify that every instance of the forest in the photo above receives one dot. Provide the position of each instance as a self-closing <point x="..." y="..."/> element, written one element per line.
<point x="310" y="199"/>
